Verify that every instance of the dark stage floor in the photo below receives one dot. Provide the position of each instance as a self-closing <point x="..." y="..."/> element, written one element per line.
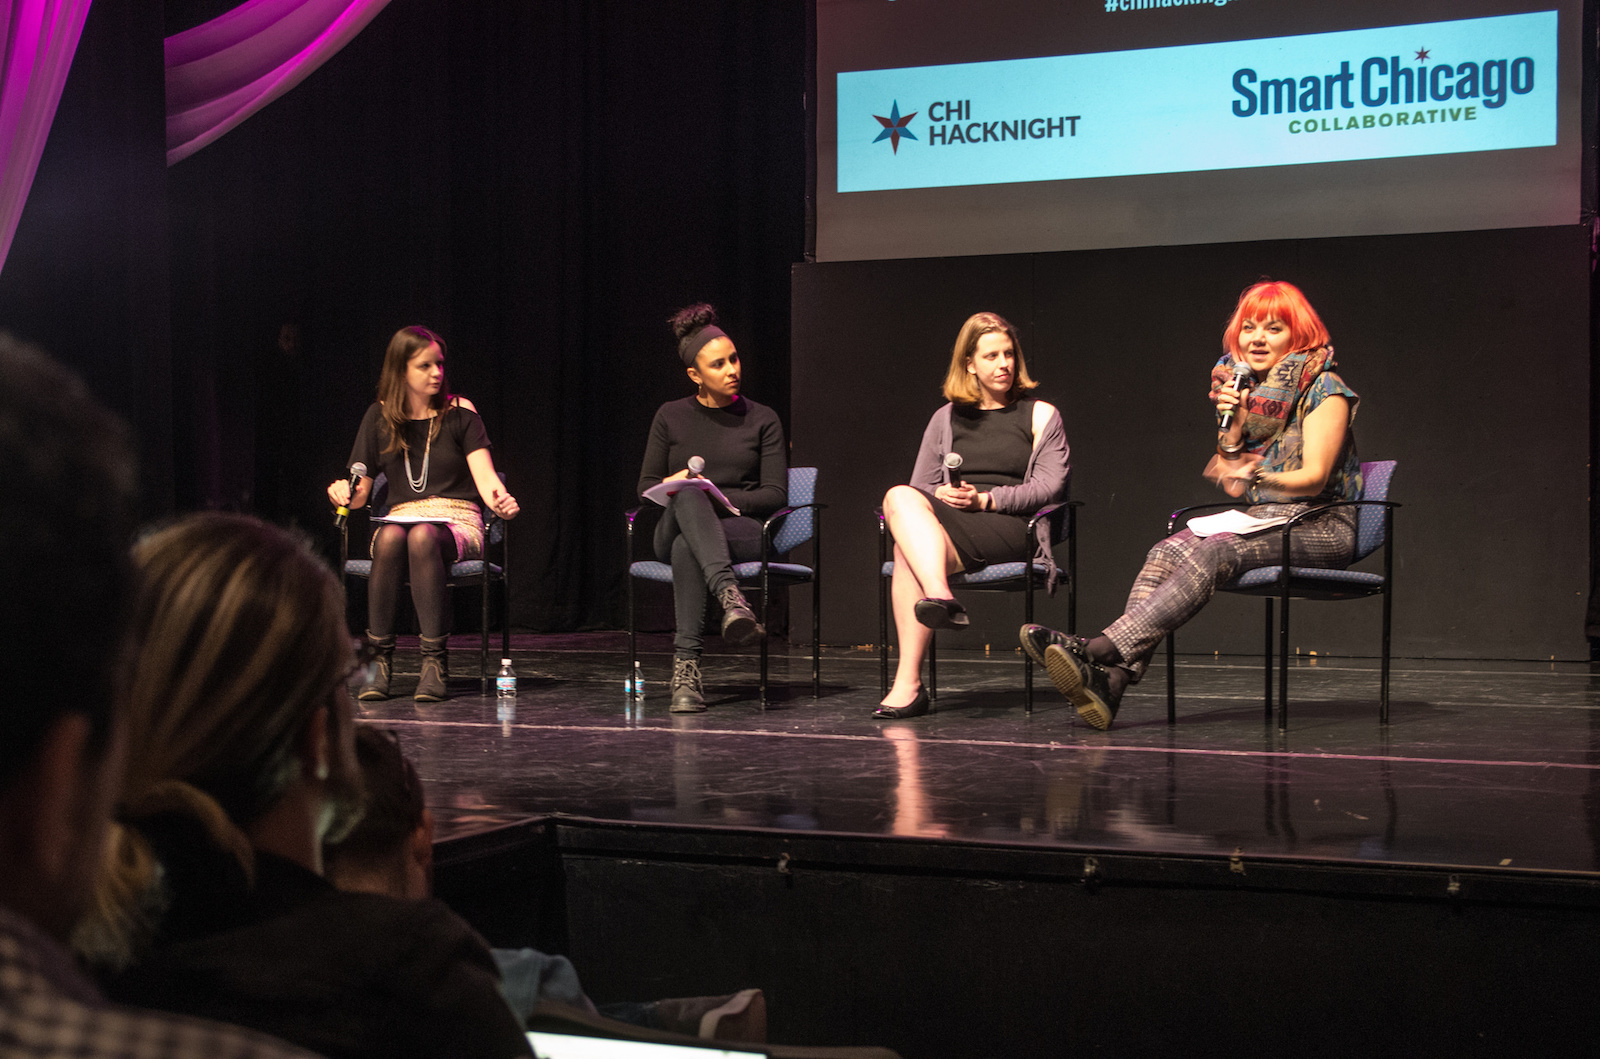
<point x="1486" y="764"/>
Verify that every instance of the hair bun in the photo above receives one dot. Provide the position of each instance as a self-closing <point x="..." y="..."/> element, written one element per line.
<point x="688" y="320"/>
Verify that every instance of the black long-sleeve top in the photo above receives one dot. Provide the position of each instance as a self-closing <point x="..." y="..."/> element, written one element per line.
<point x="742" y="445"/>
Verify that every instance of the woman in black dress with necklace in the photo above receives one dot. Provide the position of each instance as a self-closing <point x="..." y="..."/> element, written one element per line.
<point x="1014" y="460"/>
<point x="433" y="448"/>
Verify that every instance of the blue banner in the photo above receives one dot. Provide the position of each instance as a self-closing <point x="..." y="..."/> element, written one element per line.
<point x="1482" y="84"/>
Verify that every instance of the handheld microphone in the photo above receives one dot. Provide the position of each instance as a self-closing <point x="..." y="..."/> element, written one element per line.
<point x="1241" y="371"/>
<point x="697" y="466"/>
<point x="358" y="471"/>
<point x="952" y="464"/>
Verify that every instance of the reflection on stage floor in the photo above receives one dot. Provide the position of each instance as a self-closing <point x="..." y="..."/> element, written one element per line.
<point x="1485" y="764"/>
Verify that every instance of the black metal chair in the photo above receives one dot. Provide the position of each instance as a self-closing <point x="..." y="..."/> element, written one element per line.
<point x="1374" y="530"/>
<point x="1020" y="576"/>
<point x="782" y="532"/>
<point x="469" y="573"/>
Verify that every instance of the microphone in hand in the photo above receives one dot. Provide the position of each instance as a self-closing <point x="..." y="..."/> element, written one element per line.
<point x="358" y="471"/>
<point x="1241" y="372"/>
<point x="697" y="466"/>
<point x="952" y="464"/>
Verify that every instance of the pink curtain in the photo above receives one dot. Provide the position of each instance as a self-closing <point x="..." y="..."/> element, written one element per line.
<point x="223" y="71"/>
<point x="40" y="39"/>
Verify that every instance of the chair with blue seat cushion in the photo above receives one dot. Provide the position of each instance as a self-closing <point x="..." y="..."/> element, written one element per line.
<point x="1374" y="530"/>
<point x="1020" y="576"/>
<point x="467" y="573"/>
<point x="797" y="523"/>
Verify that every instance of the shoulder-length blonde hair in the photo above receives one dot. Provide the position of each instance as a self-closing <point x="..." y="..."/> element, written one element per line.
<point x="407" y="343"/>
<point x="1277" y="300"/>
<point x="960" y="386"/>
<point x="243" y="643"/>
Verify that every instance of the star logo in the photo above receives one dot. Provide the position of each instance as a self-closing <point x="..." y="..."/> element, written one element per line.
<point x="1422" y="55"/>
<point x="894" y="127"/>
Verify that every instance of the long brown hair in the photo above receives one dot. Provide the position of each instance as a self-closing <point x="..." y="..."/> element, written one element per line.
<point x="407" y="343"/>
<point x="959" y="385"/>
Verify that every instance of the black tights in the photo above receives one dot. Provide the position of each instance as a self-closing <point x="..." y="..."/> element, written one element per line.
<point x="428" y="550"/>
<point x="702" y="548"/>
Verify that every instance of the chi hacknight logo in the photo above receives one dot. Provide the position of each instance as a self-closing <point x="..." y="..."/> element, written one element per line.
<point x="894" y="127"/>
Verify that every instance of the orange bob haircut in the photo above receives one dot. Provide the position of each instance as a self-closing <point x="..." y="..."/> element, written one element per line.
<point x="1276" y="300"/>
<point x="959" y="385"/>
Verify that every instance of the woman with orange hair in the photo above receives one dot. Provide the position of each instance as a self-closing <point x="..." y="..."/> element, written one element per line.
<point x="1284" y="442"/>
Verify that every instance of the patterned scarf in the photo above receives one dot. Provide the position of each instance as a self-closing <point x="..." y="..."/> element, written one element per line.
<point x="1272" y="400"/>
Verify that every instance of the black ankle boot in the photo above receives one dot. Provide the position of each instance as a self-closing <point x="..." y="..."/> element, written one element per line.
<point x="739" y="625"/>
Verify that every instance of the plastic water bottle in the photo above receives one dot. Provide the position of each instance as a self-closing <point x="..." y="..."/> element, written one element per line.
<point x="635" y="685"/>
<point x="505" y="682"/>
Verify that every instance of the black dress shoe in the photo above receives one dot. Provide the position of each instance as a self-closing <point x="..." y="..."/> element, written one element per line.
<point x="942" y="613"/>
<point x="916" y="708"/>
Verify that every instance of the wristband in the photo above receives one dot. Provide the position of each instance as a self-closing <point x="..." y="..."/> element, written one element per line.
<point x="1229" y="452"/>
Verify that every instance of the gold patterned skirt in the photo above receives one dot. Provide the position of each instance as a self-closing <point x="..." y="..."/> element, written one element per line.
<point x="465" y="521"/>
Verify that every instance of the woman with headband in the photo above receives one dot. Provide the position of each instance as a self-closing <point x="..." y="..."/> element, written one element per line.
<point x="738" y="446"/>
<point x="963" y="515"/>
<point x="1285" y="442"/>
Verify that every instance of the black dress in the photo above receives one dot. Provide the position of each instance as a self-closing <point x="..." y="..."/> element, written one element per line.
<point x="995" y="445"/>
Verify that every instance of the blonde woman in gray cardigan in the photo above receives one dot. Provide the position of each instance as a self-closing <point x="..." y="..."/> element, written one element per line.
<point x="1014" y="460"/>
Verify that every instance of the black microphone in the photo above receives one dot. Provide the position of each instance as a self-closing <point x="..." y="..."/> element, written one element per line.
<point x="697" y="466"/>
<point x="952" y="463"/>
<point x="1241" y="371"/>
<point x="358" y="471"/>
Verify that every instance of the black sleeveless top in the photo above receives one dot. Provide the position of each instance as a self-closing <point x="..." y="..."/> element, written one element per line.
<point x="995" y="444"/>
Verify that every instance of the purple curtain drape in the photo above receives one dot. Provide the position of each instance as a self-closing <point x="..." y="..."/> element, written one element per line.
<point x="40" y="39"/>
<point x="223" y="71"/>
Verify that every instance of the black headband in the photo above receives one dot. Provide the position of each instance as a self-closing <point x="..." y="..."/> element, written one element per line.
<point x="690" y="345"/>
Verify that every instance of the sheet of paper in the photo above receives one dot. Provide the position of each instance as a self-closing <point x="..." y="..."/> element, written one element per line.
<point x="1234" y="521"/>
<point x="659" y="492"/>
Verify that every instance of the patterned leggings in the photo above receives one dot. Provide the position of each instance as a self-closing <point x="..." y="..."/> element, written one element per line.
<point x="1181" y="573"/>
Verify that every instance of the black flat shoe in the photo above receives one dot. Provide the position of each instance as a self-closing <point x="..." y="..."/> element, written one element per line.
<point x="942" y="613"/>
<point x="916" y="708"/>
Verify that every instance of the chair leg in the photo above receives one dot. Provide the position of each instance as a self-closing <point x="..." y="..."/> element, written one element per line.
<point x="483" y="642"/>
<point x="1283" y="662"/>
<point x="816" y="611"/>
<point x="1383" y="686"/>
<point x="633" y="643"/>
<point x="764" y="616"/>
<point x="933" y="672"/>
<point x="1172" y="679"/>
<point x="883" y="634"/>
<point x="1267" y="665"/>
<point x="1027" y="660"/>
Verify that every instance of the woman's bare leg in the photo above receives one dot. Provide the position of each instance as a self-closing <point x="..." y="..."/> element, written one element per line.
<point x="924" y="558"/>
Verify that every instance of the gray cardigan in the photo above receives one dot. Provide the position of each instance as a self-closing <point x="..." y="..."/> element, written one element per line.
<point x="1048" y="479"/>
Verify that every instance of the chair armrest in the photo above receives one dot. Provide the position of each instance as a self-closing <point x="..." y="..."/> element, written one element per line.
<point x="776" y="516"/>
<point x="783" y="512"/>
<point x="1297" y="519"/>
<point x="1051" y="509"/>
<point x="1172" y="519"/>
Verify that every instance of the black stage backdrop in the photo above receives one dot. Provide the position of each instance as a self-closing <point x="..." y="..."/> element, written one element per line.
<point x="87" y="276"/>
<point x="1470" y="351"/>
<point x="542" y="183"/>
